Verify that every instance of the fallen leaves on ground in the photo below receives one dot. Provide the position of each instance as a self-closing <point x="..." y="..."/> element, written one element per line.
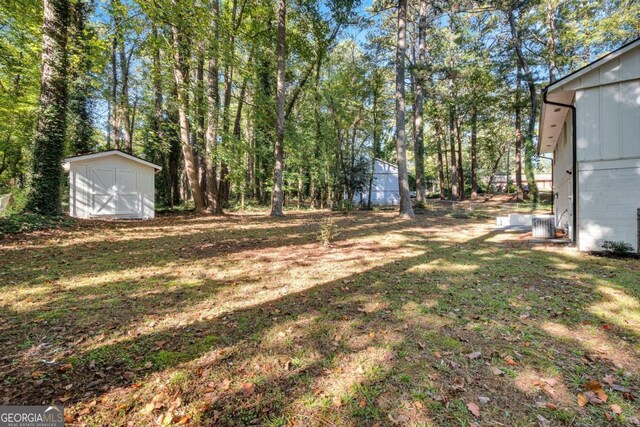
<point x="582" y="399"/>
<point x="248" y="389"/>
<point x="483" y="400"/>
<point x="201" y="334"/>
<point x="497" y="372"/>
<point x="510" y="361"/>
<point x="594" y="394"/>
<point x="474" y="355"/>
<point x="596" y="388"/>
<point x="474" y="409"/>
<point x="148" y="408"/>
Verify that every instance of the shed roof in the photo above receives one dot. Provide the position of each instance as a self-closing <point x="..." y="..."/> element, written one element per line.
<point x="92" y="156"/>
<point x="384" y="162"/>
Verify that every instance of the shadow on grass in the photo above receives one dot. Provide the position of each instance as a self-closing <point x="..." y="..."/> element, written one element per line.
<point x="127" y="245"/>
<point x="384" y="345"/>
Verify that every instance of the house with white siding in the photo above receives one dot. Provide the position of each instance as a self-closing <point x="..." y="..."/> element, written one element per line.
<point x="590" y="121"/>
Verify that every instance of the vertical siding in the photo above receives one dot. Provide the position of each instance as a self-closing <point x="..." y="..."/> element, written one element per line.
<point x="630" y="117"/>
<point x="147" y="178"/>
<point x="608" y="144"/>
<point x="609" y="122"/>
<point x="588" y="105"/>
<point x="609" y="200"/>
<point x="630" y="65"/>
<point x="609" y="155"/>
<point x="79" y="191"/>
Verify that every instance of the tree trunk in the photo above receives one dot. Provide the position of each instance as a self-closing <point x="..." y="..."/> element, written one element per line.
<point x="533" y="107"/>
<point x="237" y="125"/>
<point x="238" y="120"/>
<point x="109" y="124"/>
<point x="300" y="187"/>
<point x="518" y="142"/>
<point x="474" y="153"/>
<point x="124" y="100"/>
<point x="418" y="134"/>
<point x="213" y="100"/>
<point x="494" y="169"/>
<point x="551" y="41"/>
<point x="225" y="185"/>
<point x="316" y="192"/>
<point x="441" y="181"/>
<point x="406" y="210"/>
<point x="198" y="132"/>
<point x="249" y="176"/>
<point x="44" y="196"/>
<point x="175" y="150"/>
<point x="264" y="117"/>
<point x="158" y="112"/>
<point x="81" y="127"/>
<point x="180" y="73"/>
<point x="452" y="146"/>
<point x="158" y="124"/>
<point x="115" y="116"/>
<point x="277" y="197"/>
<point x="375" y="148"/>
<point x="460" y="169"/>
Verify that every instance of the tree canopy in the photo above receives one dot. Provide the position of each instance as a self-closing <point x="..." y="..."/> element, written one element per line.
<point x="251" y="101"/>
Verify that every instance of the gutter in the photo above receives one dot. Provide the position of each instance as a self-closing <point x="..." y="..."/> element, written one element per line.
<point x="574" y="172"/>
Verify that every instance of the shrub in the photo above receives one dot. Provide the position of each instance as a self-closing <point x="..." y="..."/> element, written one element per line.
<point x="460" y="213"/>
<point x="617" y="248"/>
<point x="328" y="231"/>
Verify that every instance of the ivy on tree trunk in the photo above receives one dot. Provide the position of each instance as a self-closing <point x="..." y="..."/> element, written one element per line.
<point x="44" y="195"/>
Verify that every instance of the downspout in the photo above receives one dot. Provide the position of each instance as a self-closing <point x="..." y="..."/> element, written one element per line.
<point x="574" y="172"/>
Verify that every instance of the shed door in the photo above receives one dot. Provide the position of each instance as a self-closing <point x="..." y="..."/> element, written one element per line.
<point x="127" y="196"/>
<point x="115" y="192"/>
<point x="103" y="200"/>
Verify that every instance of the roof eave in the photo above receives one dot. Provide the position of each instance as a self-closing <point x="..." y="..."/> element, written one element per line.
<point x="91" y="156"/>
<point x="548" y="136"/>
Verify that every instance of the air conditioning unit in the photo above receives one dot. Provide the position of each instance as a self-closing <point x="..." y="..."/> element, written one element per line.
<point x="543" y="226"/>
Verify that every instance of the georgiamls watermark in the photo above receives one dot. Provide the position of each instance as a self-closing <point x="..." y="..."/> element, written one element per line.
<point x="31" y="416"/>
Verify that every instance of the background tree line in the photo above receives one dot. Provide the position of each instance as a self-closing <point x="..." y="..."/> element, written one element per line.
<point x="262" y="102"/>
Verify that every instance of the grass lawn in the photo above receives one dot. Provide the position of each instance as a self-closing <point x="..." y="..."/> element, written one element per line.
<point x="247" y="320"/>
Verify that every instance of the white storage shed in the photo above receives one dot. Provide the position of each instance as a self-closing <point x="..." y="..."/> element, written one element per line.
<point x="111" y="184"/>
<point x="384" y="189"/>
<point x="590" y="121"/>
